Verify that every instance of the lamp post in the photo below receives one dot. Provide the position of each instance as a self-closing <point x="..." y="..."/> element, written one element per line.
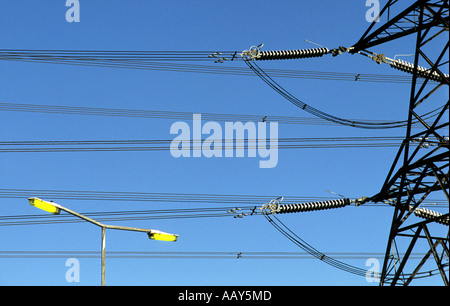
<point x="55" y="208"/>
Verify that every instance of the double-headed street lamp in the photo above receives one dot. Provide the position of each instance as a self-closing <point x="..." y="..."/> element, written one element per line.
<point x="55" y="208"/>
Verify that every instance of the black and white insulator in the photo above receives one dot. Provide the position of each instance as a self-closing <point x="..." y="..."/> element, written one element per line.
<point x="421" y="71"/>
<point x="430" y="214"/>
<point x="311" y="206"/>
<point x="291" y="54"/>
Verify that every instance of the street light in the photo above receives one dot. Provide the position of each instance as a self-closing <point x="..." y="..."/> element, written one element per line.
<point x="48" y="207"/>
<point x="55" y="208"/>
<point x="158" y="235"/>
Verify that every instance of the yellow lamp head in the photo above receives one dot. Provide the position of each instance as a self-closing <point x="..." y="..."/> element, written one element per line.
<point x="44" y="205"/>
<point x="157" y="235"/>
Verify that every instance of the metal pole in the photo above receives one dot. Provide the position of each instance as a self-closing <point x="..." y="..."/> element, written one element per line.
<point x="103" y="255"/>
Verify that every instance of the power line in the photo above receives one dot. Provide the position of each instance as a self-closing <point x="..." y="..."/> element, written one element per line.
<point x="190" y="255"/>
<point x="95" y="195"/>
<point x="151" y="114"/>
<point x="300" y="104"/>
<point x="332" y="261"/>
<point x="194" y="141"/>
<point x="224" y="144"/>
<point x="254" y="54"/>
<point x="155" y="214"/>
<point x="154" y="61"/>
<point x="87" y="56"/>
<point x="147" y="196"/>
<point x="243" y="205"/>
<point x="157" y="60"/>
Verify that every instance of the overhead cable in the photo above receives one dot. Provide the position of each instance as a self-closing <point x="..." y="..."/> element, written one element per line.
<point x="269" y="211"/>
<point x="170" y="197"/>
<point x="161" y="114"/>
<point x="252" y="54"/>
<point x="123" y="56"/>
<point x="17" y="254"/>
<point x="36" y="146"/>
<point x="96" y="195"/>
<point x="300" y="104"/>
<point x="407" y="67"/>
<point x="364" y="124"/>
<point x="80" y="58"/>
<point x="118" y="216"/>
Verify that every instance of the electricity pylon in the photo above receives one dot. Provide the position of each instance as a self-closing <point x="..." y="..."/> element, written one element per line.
<point x="418" y="172"/>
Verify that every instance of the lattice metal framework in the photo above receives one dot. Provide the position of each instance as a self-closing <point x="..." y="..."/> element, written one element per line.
<point x="420" y="172"/>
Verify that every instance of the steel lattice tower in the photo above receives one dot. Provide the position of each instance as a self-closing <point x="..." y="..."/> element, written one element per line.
<point x="418" y="172"/>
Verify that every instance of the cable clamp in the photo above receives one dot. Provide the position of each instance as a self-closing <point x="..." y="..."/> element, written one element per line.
<point x="361" y="200"/>
<point x="272" y="207"/>
<point x="340" y="50"/>
<point x="252" y="53"/>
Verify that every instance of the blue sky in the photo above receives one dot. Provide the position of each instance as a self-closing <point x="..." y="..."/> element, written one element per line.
<point x="192" y="26"/>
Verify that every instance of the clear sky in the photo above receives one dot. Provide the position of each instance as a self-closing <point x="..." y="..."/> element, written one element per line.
<point x="192" y="26"/>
